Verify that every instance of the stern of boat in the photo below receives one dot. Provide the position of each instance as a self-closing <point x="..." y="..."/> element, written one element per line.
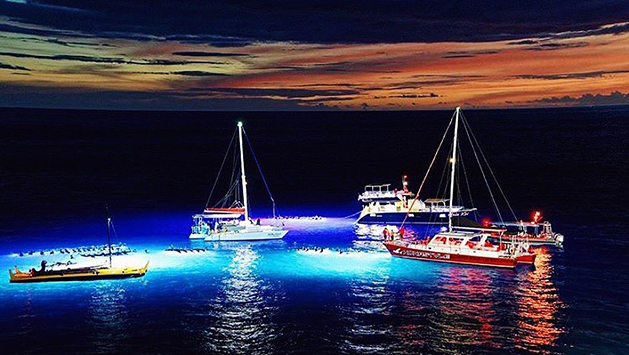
<point x="197" y="236"/>
<point x="527" y="259"/>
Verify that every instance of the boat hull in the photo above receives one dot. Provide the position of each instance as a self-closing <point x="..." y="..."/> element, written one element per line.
<point x="528" y="259"/>
<point x="77" y="275"/>
<point x="401" y="251"/>
<point x="197" y="236"/>
<point x="246" y="236"/>
<point x="436" y="218"/>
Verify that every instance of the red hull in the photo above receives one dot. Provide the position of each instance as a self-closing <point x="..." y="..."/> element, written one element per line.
<point x="527" y="259"/>
<point x="408" y="253"/>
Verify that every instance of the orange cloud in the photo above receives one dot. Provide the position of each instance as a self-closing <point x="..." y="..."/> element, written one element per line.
<point x="402" y="75"/>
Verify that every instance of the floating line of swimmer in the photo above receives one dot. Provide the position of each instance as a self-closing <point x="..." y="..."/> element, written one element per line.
<point x="83" y="251"/>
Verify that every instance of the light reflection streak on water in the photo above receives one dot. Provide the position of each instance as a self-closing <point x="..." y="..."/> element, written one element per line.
<point x="242" y="310"/>
<point x="464" y="305"/>
<point x="538" y="305"/>
<point x="108" y="317"/>
<point x="27" y="316"/>
<point x="241" y="298"/>
<point x="366" y="312"/>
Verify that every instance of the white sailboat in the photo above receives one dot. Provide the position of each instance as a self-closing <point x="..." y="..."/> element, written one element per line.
<point x="233" y="223"/>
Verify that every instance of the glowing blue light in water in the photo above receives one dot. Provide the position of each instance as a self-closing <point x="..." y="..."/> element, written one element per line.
<point x="325" y="277"/>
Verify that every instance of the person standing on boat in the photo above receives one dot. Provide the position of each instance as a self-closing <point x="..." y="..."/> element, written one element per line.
<point x="43" y="268"/>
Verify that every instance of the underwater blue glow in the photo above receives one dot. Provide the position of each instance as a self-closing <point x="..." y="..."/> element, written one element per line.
<point x="247" y="297"/>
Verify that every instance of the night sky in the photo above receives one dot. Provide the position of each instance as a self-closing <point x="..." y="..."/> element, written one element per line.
<point x="314" y="54"/>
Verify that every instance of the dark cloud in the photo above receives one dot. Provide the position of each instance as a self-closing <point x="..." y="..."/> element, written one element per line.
<point x="584" y="75"/>
<point x="111" y="60"/>
<point x="349" y="85"/>
<point x="523" y="42"/>
<point x="337" y="67"/>
<point x="329" y="99"/>
<point x="4" y="27"/>
<point x="615" y="98"/>
<point x="38" y="97"/>
<point x="428" y="80"/>
<point x="272" y="92"/>
<point x="551" y="46"/>
<point x="458" y="56"/>
<point x="197" y="73"/>
<point x="12" y="67"/>
<point x="76" y="43"/>
<point x="241" y="22"/>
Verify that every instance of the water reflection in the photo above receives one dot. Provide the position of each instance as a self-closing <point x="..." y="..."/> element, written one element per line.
<point x="465" y="306"/>
<point x="27" y="316"/>
<point x="108" y="317"/>
<point x="470" y="309"/>
<point x="242" y="310"/>
<point x="538" y="307"/>
<point x="366" y="314"/>
<point x="369" y="231"/>
<point x="369" y="237"/>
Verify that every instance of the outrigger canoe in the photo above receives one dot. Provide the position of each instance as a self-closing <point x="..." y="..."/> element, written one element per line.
<point x="77" y="274"/>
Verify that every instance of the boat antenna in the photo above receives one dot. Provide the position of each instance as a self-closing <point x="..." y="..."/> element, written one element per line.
<point x="455" y="143"/>
<point x="108" y="233"/>
<point x="242" y="170"/>
<point x="268" y="190"/>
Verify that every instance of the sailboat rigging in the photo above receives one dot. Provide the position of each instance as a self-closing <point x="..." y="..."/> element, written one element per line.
<point x="232" y="222"/>
<point x="460" y="245"/>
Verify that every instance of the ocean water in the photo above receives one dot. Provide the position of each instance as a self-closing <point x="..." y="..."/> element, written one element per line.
<point x="155" y="169"/>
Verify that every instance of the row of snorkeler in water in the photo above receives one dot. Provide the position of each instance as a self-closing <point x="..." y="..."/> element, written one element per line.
<point x="186" y="250"/>
<point x="320" y="250"/>
<point x="91" y="251"/>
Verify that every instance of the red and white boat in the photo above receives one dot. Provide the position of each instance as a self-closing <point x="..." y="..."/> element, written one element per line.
<point x="467" y="247"/>
<point x="460" y="245"/>
<point x="534" y="232"/>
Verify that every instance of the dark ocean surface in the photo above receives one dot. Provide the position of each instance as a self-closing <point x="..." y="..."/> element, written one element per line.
<point x="58" y="169"/>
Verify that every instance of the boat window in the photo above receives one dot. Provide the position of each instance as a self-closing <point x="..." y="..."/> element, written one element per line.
<point x="475" y="238"/>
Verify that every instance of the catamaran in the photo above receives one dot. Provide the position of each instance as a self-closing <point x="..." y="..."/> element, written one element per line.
<point x="229" y="220"/>
<point x="381" y="205"/>
<point x="86" y="273"/>
<point x="460" y="245"/>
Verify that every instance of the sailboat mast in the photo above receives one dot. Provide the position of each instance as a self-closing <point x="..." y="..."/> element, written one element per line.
<point x="453" y="161"/>
<point x="109" y="235"/>
<point x="242" y="169"/>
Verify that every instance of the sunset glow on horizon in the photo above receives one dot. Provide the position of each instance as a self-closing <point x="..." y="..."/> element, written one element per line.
<point x="41" y="66"/>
